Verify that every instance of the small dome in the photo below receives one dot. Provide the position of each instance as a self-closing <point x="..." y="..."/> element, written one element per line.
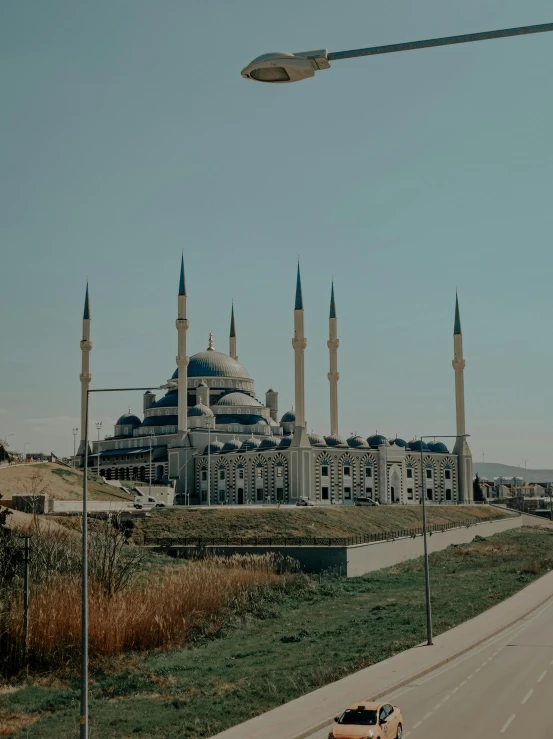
<point x="415" y="446"/>
<point x="285" y="441"/>
<point x="269" y="443"/>
<point x="199" y="410"/>
<point x="288" y="417"/>
<point x="316" y="440"/>
<point x="129" y="419"/>
<point x="215" y="447"/>
<point x="377" y="440"/>
<point x="335" y="440"/>
<point x="398" y="442"/>
<point x="238" y="399"/>
<point x="170" y="400"/>
<point x="439" y="447"/>
<point x="232" y="445"/>
<point x="250" y="444"/>
<point x="357" y="441"/>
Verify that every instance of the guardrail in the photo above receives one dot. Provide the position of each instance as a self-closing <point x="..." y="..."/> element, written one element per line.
<point x="315" y="541"/>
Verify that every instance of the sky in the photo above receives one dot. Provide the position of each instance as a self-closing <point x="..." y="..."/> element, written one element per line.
<point x="128" y="136"/>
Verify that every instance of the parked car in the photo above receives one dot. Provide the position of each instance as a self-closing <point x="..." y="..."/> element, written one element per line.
<point x="143" y="501"/>
<point x="303" y="501"/>
<point x="362" y="500"/>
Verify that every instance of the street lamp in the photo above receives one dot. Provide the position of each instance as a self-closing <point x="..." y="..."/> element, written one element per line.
<point x="6" y="438"/>
<point x="75" y="431"/>
<point x="98" y="427"/>
<point x="282" y="67"/>
<point x="83" y="733"/>
<point x="429" y="641"/>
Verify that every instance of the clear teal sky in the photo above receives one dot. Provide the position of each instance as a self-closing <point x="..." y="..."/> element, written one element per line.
<point x="127" y="134"/>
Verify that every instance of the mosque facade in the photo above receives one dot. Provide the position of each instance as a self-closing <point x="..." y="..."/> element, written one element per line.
<point x="211" y="437"/>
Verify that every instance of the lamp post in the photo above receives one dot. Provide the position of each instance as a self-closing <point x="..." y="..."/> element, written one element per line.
<point x="98" y="427"/>
<point x="282" y="67"/>
<point x="75" y="431"/>
<point x="25" y="445"/>
<point x="6" y="438"/>
<point x="150" y="474"/>
<point x="83" y="733"/>
<point x="429" y="641"/>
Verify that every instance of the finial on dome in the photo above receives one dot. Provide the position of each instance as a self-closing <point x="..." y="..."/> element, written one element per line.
<point x="129" y="410"/>
<point x="293" y="409"/>
<point x="210" y="346"/>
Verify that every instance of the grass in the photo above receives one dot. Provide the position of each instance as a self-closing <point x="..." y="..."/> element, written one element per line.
<point x="292" y="521"/>
<point x="284" y="644"/>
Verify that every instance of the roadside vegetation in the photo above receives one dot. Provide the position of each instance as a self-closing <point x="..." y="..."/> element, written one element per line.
<point x="338" y="521"/>
<point x="275" y="642"/>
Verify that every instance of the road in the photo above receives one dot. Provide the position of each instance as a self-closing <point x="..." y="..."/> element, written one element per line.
<point x="500" y="689"/>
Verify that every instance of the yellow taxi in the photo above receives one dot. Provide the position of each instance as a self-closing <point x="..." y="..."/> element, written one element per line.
<point x="368" y="720"/>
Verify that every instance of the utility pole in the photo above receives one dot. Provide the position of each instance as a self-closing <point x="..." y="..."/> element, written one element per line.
<point x="98" y="427"/>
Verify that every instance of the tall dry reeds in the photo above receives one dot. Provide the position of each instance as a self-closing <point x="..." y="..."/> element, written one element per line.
<point x="158" y="611"/>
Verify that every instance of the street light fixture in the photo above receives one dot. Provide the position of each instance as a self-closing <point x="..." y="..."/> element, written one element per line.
<point x="6" y="438"/>
<point x="282" y="67"/>
<point x="429" y="641"/>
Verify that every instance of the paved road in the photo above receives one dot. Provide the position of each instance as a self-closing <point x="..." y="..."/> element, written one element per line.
<point x="94" y="506"/>
<point x="503" y="689"/>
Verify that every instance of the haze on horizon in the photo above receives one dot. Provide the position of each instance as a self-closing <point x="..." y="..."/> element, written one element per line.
<point x="129" y="136"/>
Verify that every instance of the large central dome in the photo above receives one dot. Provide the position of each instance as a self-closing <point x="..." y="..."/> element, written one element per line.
<point x="214" y="364"/>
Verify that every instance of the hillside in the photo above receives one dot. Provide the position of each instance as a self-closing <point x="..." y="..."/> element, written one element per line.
<point x="495" y="469"/>
<point x="56" y="480"/>
<point x="317" y="521"/>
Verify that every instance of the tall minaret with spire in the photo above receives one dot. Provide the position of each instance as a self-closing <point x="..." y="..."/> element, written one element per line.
<point x="182" y="358"/>
<point x="232" y="336"/>
<point x="333" y="376"/>
<point x="299" y="342"/>
<point x="461" y="446"/>
<point x="85" y="376"/>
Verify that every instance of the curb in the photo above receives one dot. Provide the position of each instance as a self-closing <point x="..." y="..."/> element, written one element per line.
<point x="323" y="724"/>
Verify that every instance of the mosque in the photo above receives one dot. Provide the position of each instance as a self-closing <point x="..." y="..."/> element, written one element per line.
<point x="218" y="444"/>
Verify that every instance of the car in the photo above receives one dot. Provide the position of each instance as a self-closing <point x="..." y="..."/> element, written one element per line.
<point x="368" y="720"/>
<point x="303" y="501"/>
<point x="142" y="501"/>
<point x="362" y="500"/>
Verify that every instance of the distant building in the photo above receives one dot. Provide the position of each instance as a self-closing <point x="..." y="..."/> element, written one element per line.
<point x="252" y="456"/>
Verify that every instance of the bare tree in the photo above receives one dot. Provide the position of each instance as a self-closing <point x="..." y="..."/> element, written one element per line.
<point x="113" y="560"/>
<point x="37" y="487"/>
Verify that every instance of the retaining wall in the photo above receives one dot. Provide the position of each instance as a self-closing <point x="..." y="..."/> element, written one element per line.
<point x="357" y="559"/>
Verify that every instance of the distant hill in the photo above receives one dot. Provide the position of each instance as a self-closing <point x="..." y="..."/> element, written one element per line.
<point x="494" y="469"/>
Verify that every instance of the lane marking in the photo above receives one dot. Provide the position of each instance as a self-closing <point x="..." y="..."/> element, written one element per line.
<point x="528" y="694"/>
<point x="509" y="722"/>
<point x="464" y="681"/>
<point x="478" y="669"/>
<point x="448" y="696"/>
<point x="540" y="678"/>
<point x="436" y="707"/>
<point x="470" y="676"/>
<point x="427" y="715"/>
<point x="416" y="726"/>
<point x="454" y="690"/>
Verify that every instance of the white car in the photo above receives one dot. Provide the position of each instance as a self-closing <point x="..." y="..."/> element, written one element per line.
<point x="303" y="501"/>
<point x="142" y="501"/>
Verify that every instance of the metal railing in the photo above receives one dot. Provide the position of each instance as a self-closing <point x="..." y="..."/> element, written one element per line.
<point x="314" y="541"/>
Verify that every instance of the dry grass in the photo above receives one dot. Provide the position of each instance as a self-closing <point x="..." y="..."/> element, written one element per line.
<point x="162" y="611"/>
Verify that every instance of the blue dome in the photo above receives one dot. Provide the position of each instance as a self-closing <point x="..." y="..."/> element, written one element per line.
<point x="250" y="420"/>
<point x="316" y="440"/>
<point x="129" y="419"/>
<point x="377" y="440"/>
<point x="415" y="446"/>
<point x="213" y="364"/>
<point x="335" y="440"/>
<point x="161" y="421"/>
<point x="357" y="441"/>
<point x="214" y="448"/>
<point x="238" y="399"/>
<point x="199" y="410"/>
<point x="269" y="443"/>
<point x="232" y="445"/>
<point x="285" y="441"/>
<point x="439" y="447"/>
<point x="288" y="417"/>
<point x="398" y="442"/>
<point x="171" y="400"/>
<point x="250" y="444"/>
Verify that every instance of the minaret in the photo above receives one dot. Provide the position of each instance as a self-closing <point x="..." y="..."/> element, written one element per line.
<point x="182" y="359"/>
<point x="461" y="446"/>
<point x="85" y="376"/>
<point x="299" y="342"/>
<point x="333" y="375"/>
<point x="232" y="336"/>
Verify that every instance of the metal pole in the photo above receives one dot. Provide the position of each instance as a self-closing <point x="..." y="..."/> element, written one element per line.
<point x="84" y="578"/>
<point x="98" y="427"/>
<point x="150" y="475"/>
<point x="26" y="603"/>
<point x="209" y="463"/>
<point x="551" y="501"/>
<point x="429" y="641"/>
